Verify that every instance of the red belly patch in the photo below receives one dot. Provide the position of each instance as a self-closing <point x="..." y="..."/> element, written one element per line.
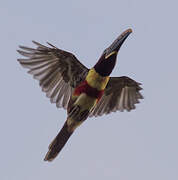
<point x="84" y="87"/>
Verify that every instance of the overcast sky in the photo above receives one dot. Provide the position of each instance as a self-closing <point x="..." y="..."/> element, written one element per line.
<point x="137" y="145"/>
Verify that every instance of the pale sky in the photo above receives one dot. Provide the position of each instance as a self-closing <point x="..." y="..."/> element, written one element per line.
<point x="137" y="145"/>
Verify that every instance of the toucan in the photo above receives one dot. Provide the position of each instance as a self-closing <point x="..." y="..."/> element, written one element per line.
<point x="81" y="91"/>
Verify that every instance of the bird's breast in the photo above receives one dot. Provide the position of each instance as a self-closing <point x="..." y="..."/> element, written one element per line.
<point x="93" y="86"/>
<point x="85" y="88"/>
<point x="95" y="80"/>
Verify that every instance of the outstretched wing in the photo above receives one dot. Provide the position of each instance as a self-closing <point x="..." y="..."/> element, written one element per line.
<point x="121" y="93"/>
<point x="58" y="71"/>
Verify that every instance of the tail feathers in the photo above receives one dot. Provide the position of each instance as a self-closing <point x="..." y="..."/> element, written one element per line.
<point x="58" y="143"/>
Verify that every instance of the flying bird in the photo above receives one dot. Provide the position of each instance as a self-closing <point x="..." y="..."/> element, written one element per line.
<point x="81" y="91"/>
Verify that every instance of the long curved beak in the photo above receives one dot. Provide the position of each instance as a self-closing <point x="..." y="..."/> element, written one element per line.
<point x="115" y="46"/>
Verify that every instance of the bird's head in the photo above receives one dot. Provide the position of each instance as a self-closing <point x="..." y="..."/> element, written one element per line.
<point x="107" y="60"/>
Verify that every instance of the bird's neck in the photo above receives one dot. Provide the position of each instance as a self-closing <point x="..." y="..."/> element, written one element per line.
<point x="95" y="80"/>
<point x="104" y="66"/>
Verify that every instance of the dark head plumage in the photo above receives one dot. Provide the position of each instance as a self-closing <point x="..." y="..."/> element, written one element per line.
<point x="107" y="61"/>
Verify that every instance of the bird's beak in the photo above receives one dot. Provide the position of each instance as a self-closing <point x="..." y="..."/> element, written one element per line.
<point x="115" y="46"/>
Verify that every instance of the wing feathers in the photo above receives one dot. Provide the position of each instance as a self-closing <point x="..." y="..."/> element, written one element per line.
<point x="47" y="82"/>
<point x="121" y="93"/>
<point x="56" y="70"/>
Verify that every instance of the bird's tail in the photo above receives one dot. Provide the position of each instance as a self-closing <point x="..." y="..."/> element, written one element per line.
<point x="58" y="143"/>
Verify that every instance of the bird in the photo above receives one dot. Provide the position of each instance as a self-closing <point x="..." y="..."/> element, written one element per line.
<point x="81" y="91"/>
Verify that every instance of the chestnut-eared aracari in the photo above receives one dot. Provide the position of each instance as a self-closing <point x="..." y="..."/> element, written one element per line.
<point x="81" y="91"/>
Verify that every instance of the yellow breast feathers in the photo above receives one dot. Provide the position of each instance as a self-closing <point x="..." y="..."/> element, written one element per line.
<point x="96" y="81"/>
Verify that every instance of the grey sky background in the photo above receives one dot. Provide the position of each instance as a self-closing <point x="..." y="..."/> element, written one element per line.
<point x="139" y="145"/>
